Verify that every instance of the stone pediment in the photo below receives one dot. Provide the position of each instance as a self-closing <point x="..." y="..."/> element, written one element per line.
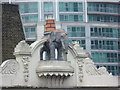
<point x="78" y="71"/>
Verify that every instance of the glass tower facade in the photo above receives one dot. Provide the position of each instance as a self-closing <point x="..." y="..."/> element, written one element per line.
<point x="105" y="38"/>
<point x="29" y="16"/>
<point x="94" y="24"/>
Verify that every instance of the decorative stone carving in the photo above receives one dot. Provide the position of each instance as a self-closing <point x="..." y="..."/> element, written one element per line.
<point x="85" y="62"/>
<point x="22" y="48"/>
<point x="80" y="65"/>
<point x="103" y="71"/>
<point x="9" y="67"/>
<point x="54" y="72"/>
<point x="92" y="70"/>
<point x="81" y="53"/>
<point x="26" y="67"/>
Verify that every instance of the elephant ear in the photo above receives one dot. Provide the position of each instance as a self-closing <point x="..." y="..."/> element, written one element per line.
<point x="53" y="36"/>
<point x="9" y="67"/>
<point x="66" y="41"/>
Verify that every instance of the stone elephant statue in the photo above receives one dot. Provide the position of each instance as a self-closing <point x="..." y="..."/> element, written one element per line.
<point x="57" y="41"/>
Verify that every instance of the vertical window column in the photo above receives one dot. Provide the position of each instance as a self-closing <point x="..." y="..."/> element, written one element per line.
<point x="39" y="11"/>
<point x="88" y="39"/>
<point x="85" y="11"/>
<point x="57" y="11"/>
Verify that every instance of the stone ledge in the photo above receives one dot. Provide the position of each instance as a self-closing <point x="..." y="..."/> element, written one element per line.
<point x="54" y="68"/>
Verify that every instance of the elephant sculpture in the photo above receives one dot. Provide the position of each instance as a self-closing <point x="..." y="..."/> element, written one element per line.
<point x="58" y="41"/>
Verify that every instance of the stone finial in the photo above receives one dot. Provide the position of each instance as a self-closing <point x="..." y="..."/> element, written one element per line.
<point x="22" y="48"/>
<point x="91" y="69"/>
<point x="76" y="44"/>
<point x="103" y="71"/>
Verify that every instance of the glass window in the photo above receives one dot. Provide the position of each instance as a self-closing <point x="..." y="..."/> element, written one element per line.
<point x="99" y="18"/>
<point x="30" y="32"/>
<point x="62" y="18"/>
<point x="70" y="7"/>
<point x="71" y="17"/>
<point x="48" y="6"/>
<point x="104" y="32"/>
<point x="118" y="45"/>
<point x="30" y="19"/>
<point x="118" y="33"/>
<point x="103" y="7"/>
<point x="67" y="17"/>
<point x="104" y="57"/>
<point x="28" y="7"/>
<point x="76" y="31"/>
<point x="104" y="44"/>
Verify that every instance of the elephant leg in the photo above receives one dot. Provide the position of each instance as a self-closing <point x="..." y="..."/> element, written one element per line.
<point x="41" y="53"/>
<point x="65" y="55"/>
<point x="59" y="56"/>
<point x="48" y="54"/>
<point x="52" y="51"/>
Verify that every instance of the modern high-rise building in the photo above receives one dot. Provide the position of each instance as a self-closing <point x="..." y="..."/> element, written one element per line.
<point x="93" y="23"/>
